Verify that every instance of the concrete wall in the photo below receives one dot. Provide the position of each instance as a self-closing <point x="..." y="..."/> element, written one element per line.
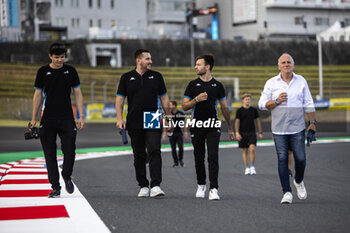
<point x="227" y="53"/>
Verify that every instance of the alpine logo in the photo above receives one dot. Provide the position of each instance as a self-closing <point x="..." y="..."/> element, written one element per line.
<point x="48" y="73"/>
<point x="150" y="77"/>
<point x="66" y="72"/>
<point x="213" y="85"/>
<point x="132" y="78"/>
<point x="198" y="85"/>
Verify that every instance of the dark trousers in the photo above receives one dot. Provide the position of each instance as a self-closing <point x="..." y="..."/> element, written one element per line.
<point x="198" y="141"/>
<point x="67" y="131"/>
<point x="177" y="139"/>
<point x="150" y="139"/>
<point x="295" y="142"/>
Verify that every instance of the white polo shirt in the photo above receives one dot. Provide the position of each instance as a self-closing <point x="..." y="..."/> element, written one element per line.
<point x="288" y="118"/>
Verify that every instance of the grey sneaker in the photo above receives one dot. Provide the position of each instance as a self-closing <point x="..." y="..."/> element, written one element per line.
<point x="55" y="193"/>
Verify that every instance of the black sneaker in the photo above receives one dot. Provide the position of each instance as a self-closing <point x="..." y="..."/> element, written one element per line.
<point x="182" y="163"/>
<point x="69" y="185"/>
<point x="55" y="193"/>
<point x="175" y="165"/>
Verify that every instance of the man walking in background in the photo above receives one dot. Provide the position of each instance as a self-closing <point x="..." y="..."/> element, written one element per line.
<point x="245" y="132"/>
<point x="176" y="136"/>
<point x="143" y="87"/>
<point x="202" y="95"/>
<point x="287" y="95"/>
<point x="56" y="81"/>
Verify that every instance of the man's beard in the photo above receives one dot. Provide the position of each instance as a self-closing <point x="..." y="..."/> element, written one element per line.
<point x="201" y="73"/>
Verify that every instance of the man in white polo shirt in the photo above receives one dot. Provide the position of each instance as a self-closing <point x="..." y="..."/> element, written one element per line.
<point x="287" y="95"/>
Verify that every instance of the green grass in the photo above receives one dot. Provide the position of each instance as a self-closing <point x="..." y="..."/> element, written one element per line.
<point x="17" y="80"/>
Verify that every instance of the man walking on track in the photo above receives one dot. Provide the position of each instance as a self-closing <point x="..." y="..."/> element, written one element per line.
<point x="176" y="136"/>
<point x="287" y="95"/>
<point x="202" y="96"/>
<point x="245" y="132"/>
<point x="143" y="88"/>
<point x="56" y="81"/>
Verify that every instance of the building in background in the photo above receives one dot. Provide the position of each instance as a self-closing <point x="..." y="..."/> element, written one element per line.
<point x="10" y="28"/>
<point x="93" y="19"/>
<point x="276" y="19"/>
<point x="27" y="20"/>
<point x="72" y="19"/>
<point x="167" y="19"/>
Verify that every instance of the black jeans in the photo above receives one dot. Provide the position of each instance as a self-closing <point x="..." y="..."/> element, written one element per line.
<point x="67" y="131"/>
<point x="150" y="139"/>
<point x="212" y="137"/>
<point x="177" y="138"/>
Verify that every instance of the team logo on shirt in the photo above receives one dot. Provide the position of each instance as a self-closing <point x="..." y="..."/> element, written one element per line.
<point x="150" y="77"/>
<point x="151" y="120"/>
<point x="66" y="72"/>
<point x="132" y="78"/>
<point x="48" y="73"/>
<point x="198" y="85"/>
<point x="213" y="85"/>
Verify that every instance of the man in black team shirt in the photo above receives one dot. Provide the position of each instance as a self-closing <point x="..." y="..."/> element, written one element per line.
<point x="143" y="88"/>
<point x="176" y="137"/>
<point x="245" y="132"/>
<point x="202" y="95"/>
<point x="56" y="81"/>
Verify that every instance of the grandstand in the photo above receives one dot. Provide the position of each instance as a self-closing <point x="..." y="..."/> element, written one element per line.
<point x="17" y="80"/>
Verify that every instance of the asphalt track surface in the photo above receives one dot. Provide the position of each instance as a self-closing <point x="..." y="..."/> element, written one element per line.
<point x="248" y="203"/>
<point x="106" y="135"/>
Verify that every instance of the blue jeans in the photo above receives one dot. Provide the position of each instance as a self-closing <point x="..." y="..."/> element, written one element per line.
<point x="297" y="144"/>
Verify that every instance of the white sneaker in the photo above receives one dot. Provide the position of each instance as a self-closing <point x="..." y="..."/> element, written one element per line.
<point x="287" y="198"/>
<point x="301" y="190"/>
<point x="156" y="191"/>
<point x="247" y="171"/>
<point x="252" y="170"/>
<point x="213" y="194"/>
<point x="201" y="191"/>
<point x="144" y="192"/>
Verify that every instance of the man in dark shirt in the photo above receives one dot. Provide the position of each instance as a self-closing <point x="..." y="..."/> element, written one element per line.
<point x="175" y="135"/>
<point x="144" y="88"/>
<point x="56" y="81"/>
<point x="245" y="132"/>
<point x="202" y="95"/>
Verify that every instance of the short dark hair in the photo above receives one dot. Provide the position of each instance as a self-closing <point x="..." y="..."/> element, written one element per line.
<point x="208" y="59"/>
<point x="57" y="48"/>
<point x="139" y="52"/>
<point x="173" y="102"/>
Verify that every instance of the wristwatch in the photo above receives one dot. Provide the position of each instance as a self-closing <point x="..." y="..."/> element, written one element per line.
<point x="312" y="122"/>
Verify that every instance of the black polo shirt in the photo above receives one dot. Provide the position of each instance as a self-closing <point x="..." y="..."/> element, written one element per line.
<point x="205" y="109"/>
<point x="56" y="85"/>
<point x="143" y="93"/>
